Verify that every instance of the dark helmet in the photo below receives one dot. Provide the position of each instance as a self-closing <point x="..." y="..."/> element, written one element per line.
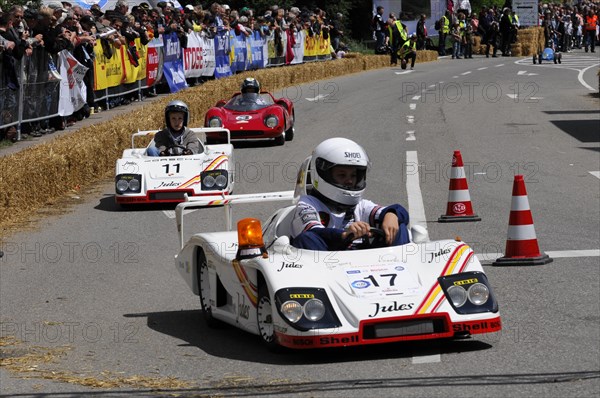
<point x="177" y="106"/>
<point x="250" y="85"/>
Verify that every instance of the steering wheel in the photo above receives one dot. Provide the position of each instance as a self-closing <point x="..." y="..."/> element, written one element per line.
<point x="170" y="150"/>
<point x="377" y="239"/>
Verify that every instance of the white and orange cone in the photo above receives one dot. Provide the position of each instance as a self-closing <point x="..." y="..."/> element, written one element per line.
<point x="521" y="245"/>
<point x="459" y="201"/>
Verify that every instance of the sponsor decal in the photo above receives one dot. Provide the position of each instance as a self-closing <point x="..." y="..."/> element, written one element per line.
<point x="353" y="271"/>
<point x="289" y="265"/>
<point x="243" y="117"/>
<point x="399" y="268"/>
<point x="170" y="184"/>
<point x="302" y="295"/>
<point x="441" y="252"/>
<point x="306" y="218"/>
<point x="243" y="308"/>
<point x="466" y="282"/>
<point x="338" y="340"/>
<point x="459" y="208"/>
<point x="395" y="307"/>
<point x="352" y="155"/>
<point x="360" y="284"/>
<point x="476" y="326"/>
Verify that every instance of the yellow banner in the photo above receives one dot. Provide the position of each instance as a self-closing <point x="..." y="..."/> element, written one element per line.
<point x="108" y="72"/>
<point x="135" y="73"/>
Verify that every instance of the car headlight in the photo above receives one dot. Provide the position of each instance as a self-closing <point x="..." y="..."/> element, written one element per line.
<point x="478" y="293"/>
<point x="214" y="179"/>
<point x="271" y="121"/>
<point x="458" y="295"/>
<point x="221" y="181"/>
<point x="306" y="308"/>
<point x="122" y="185"/>
<point x="292" y="310"/>
<point x="215" y="122"/>
<point x="128" y="183"/>
<point x="314" y="309"/>
<point x="469" y="292"/>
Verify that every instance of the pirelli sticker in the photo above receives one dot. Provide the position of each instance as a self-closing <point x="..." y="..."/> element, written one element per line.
<point x="302" y="296"/>
<point x="466" y="282"/>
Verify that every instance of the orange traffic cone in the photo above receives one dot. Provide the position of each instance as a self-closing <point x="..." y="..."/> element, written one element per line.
<point x="459" y="201"/>
<point x="521" y="246"/>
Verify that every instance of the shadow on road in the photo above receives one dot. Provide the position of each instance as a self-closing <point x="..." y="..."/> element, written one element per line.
<point x="229" y="342"/>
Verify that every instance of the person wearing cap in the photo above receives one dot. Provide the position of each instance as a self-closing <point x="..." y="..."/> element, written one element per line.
<point x="408" y="51"/>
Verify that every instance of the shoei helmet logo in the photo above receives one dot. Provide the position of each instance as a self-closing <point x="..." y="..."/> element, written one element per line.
<point x="352" y="155"/>
<point x="459" y="208"/>
<point x="243" y="117"/>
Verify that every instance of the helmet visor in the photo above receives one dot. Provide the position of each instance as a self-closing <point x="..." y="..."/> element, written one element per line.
<point x="348" y="177"/>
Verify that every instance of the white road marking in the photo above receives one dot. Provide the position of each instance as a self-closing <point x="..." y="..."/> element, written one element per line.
<point x="318" y="97"/>
<point x="524" y="72"/>
<point x="431" y="86"/>
<point x="411" y="136"/>
<point x="466" y="73"/>
<point x="416" y="209"/>
<point x="485" y="67"/>
<point x="416" y="98"/>
<point x="491" y="257"/>
<point x="513" y="96"/>
<point x="171" y="213"/>
<point x="455" y="77"/>
<point x="595" y="173"/>
<point x="498" y="66"/>
<point x="580" y="78"/>
<point x="412" y="106"/>
<point x="426" y="359"/>
<point x="403" y="73"/>
<point x="410" y="119"/>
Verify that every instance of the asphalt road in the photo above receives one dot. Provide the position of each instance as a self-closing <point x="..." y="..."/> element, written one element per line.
<point x="97" y="291"/>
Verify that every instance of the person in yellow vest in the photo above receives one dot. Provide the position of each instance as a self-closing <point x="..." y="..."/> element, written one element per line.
<point x="397" y="36"/>
<point x="408" y="51"/>
<point x="443" y="32"/>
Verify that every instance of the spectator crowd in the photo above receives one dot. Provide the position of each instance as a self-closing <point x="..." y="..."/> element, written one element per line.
<point x="59" y="26"/>
<point x="566" y="26"/>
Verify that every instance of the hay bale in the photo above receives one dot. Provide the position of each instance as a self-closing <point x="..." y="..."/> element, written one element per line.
<point x="515" y="50"/>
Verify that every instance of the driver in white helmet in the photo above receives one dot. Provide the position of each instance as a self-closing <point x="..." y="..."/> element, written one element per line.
<point x="176" y="138"/>
<point x="333" y="211"/>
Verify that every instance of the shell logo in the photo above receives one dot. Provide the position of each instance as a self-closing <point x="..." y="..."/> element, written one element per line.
<point x="459" y="208"/>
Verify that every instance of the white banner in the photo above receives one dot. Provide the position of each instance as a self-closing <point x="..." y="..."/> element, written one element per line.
<point x="72" y="87"/>
<point x="199" y="56"/>
<point x="298" y="48"/>
<point x="527" y="11"/>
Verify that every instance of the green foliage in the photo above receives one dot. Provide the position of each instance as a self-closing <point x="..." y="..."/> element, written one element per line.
<point x="477" y="4"/>
<point x="6" y="4"/>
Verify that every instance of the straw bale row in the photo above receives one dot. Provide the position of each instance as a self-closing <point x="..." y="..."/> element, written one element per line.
<point x="35" y="177"/>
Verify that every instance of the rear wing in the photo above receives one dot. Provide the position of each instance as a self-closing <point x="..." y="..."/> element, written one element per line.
<point x="226" y="202"/>
<point x="200" y="133"/>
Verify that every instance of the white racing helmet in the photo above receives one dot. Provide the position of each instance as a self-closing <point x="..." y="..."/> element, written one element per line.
<point x="339" y="152"/>
<point x="177" y="106"/>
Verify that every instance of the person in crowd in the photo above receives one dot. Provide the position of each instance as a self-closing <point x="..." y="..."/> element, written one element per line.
<point x="408" y="51"/>
<point x="456" y="39"/>
<point x="443" y="31"/>
<point x="422" y="33"/>
<point x="397" y="37"/>
<point x="333" y="215"/>
<point x="591" y="31"/>
<point x="176" y="138"/>
<point x="505" y="32"/>
<point x="378" y="25"/>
